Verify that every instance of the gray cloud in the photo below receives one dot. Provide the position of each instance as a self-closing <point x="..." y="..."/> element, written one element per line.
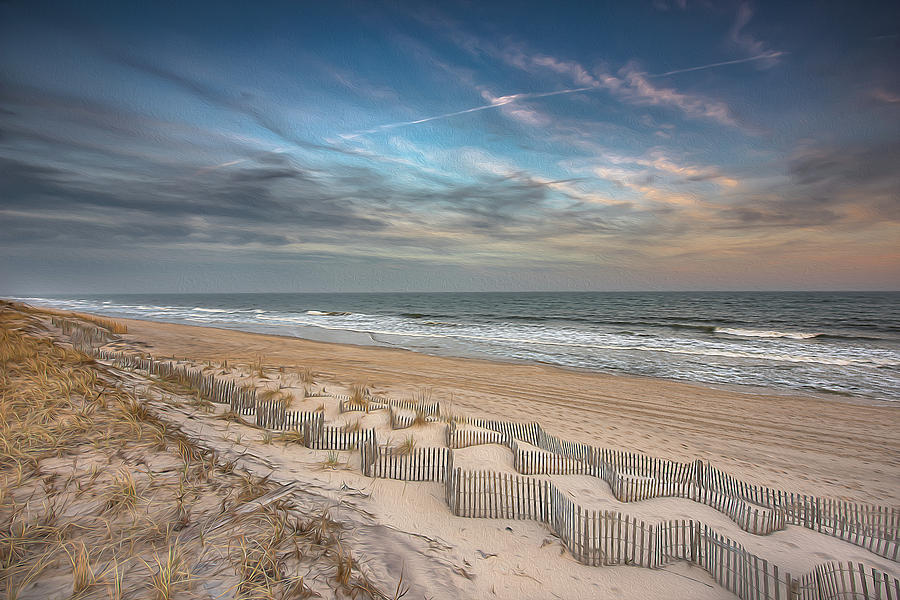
<point x="853" y="186"/>
<point x="243" y="102"/>
<point x="870" y="166"/>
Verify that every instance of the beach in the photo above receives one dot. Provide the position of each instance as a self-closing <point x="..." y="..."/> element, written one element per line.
<point x="832" y="448"/>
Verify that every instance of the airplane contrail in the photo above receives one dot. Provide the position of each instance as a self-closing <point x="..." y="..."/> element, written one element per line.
<point x="496" y="103"/>
<point x="722" y="64"/>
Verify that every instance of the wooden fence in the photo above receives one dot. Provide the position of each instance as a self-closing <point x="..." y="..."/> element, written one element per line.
<point x="83" y="336"/>
<point x="600" y="537"/>
<point x="611" y="538"/>
<point x="463" y="438"/>
<point x="429" y="409"/>
<point x="337" y="438"/>
<point x="539" y="462"/>
<point x="848" y="580"/>
<point x="368" y="405"/>
<point x="631" y="476"/>
<point x="485" y="494"/>
<point x="418" y="464"/>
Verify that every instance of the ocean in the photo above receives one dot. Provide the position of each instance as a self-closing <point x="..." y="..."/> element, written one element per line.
<point x="841" y="343"/>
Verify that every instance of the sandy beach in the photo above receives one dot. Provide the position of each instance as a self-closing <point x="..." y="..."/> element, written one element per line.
<point x="808" y="445"/>
<point x="830" y="447"/>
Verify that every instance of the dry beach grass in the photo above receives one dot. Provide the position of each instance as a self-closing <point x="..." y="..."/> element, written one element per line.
<point x="101" y="498"/>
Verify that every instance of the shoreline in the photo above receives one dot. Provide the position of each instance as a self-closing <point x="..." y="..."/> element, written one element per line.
<point x="357" y="338"/>
<point x="785" y="441"/>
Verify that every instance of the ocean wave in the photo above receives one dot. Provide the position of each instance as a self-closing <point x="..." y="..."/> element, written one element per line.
<point x="336" y="313"/>
<point x="835" y="336"/>
<point x="211" y="310"/>
<point x="794" y="335"/>
<point x="706" y="328"/>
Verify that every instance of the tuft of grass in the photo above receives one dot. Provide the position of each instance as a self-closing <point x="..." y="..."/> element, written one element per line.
<point x="258" y="368"/>
<point x="161" y="435"/>
<point x="117" y="585"/>
<point x="202" y="403"/>
<point x="135" y="411"/>
<point x="332" y="460"/>
<point x="352" y="427"/>
<point x="267" y="394"/>
<point x="258" y="568"/>
<point x="422" y="395"/>
<point x="182" y="517"/>
<point x="359" y="396"/>
<point x="122" y="493"/>
<point x="306" y="375"/>
<point x="82" y="574"/>
<point x="251" y="487"/>
<point x="408" y="446"/>
<point x="188" y="450"/>
<point x="168" y="573"/>
<point x="233" y="416"/>
<point x="344" y="565"/>
<point x="294" y="436"/>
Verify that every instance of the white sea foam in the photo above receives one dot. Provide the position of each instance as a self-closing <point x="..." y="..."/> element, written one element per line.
<point x="794" y="335"/>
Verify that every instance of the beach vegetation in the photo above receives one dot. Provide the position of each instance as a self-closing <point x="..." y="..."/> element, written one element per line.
<point x="293" y="436"/>
<point x="359" y="396"/>
<point x="408" y="446"/>
<point x="306" y="375"/>
<point x="110" y="325"/>
<point x="332" y="459"/>
<point x="102" y="496"/>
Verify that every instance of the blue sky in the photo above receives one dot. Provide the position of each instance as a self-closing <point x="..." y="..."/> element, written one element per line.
<point x="291" y="146"/>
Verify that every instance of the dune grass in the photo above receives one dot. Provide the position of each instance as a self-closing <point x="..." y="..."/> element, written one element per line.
<point x="359" y="396"/>
<point x="306" y="375"/>
<point x="279" y="397"/>
<point x="100" y="498"/>
<point x="110" y="325"/>
<point x="408" y="446"/>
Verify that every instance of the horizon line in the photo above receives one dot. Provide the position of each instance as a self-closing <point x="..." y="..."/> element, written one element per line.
<point x="623" y="291"/>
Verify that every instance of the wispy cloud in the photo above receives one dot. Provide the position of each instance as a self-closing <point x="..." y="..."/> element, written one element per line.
<point x="747" y="42"/>
<point x="630" y="84"/>
<point x="883" y="95"/>
<point x="638" y="88"/>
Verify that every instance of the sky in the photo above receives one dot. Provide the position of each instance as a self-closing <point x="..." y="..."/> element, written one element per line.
<point x="453" y="146"/>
